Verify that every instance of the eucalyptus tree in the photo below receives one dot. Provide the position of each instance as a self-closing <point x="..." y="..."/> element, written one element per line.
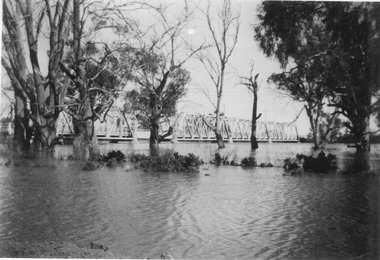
<point x="224" y="32"/>
<point x="251" y="83"/>
<point x="38" y="94"/>
<point x="300" y="43"/>
<point x="92" y="68"/>
<point x="333" y="46"/>
<point x="155" y="64"/>
<point x="353" y="77"/>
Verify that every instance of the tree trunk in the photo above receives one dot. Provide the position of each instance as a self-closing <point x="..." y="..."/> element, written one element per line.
<point x="362" y="136"/>
<point x="48" y="133"/>
<point x="154" y="137"/>
<point x="92" y="139"/>
<point x="85" y="143"/>
<point x="317" y="135"/>
<point x="80" y="151"/>
<point x="360" y="164"/>
<point x="254" y="144"/>
<point x="218" y="131"/>
<point x="22" y="132"/>
<point x="80" y="142"/>
<point x="314" y="125"/>
<point x="219" y="139"/>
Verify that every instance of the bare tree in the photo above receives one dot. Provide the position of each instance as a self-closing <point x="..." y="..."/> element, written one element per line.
<point x="224" y="30"/>
<point x="251" y="84"/>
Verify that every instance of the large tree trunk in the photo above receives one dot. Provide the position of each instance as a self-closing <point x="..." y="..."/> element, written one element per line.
<point x="154" y="137"/>
<point x="93" y="145"/>
<point x="363" y="143"/>
<point x="19" y="134"/>
<point x="45" y="135"/>
<point x="85" y="143"/>
<point x="80" y="151"/>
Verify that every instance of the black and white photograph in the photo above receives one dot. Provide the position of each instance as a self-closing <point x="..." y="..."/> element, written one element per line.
<point x="190" y="129"/>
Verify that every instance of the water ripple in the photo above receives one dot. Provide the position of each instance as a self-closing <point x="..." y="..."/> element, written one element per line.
<point x="234" y="213"/>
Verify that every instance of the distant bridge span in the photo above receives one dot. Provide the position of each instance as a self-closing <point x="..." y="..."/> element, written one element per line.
<point x="186" y="127"/>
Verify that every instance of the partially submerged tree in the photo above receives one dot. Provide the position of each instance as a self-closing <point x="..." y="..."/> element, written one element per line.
<point x="155" y="64"/>
<point x="302" y="55"/>
<point x="156" y="105"/>
<point x="251" y="84"/>
<point x="339" y="43"/>
<point x="93" y="70"/>
<point x="224" y="30"/>
<point x="353" y="77"/>
<point x="302" y="88"/>
<point x="38" y="96"/>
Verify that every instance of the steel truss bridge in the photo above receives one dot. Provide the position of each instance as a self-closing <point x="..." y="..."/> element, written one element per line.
<point x="186" y="127"/>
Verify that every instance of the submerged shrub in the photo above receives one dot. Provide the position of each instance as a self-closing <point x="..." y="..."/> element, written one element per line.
<point x="168" y="162"/>
<point x="90" y="166"/>
<point x="293" y="163"/>
<point x="220" y="160"/>
<point x="321" y="163"/>
<point x="112" y="158"/>
<point x="248" y="162"/>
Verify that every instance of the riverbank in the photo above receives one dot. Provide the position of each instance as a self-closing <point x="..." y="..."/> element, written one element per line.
<point x="14" y="249"/>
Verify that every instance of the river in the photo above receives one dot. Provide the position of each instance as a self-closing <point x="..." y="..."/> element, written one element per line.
<point x="222" y="212"/>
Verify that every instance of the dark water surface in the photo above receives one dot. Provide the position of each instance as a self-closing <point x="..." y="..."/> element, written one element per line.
<point x="234" y="213"/>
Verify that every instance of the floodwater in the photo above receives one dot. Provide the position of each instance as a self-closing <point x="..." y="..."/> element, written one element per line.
<point x="220" y="213"/>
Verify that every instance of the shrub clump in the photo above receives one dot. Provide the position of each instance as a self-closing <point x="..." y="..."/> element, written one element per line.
<point x="112" y="158"/>
<point x="248" y="162"/>
<point x="293" y="163"/>
<point x="168" y="162"/>
<point x="90" y="166"/>
<point x="220" y="160"/>
<point x="321" y="163"/>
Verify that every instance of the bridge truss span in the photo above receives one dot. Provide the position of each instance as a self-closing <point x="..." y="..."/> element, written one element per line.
<point x="186" y="127"/>
<point x="197" y="127"/>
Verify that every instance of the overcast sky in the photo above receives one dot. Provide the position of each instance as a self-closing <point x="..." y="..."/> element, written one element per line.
<point x="236" y="100"/>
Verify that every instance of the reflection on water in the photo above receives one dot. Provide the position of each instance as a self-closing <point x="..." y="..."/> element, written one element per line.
<point x="233" y="213"/>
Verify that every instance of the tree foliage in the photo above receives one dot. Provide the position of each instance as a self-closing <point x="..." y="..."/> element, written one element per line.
<point x="333" y="45"/>
<point x="155" y="64"/>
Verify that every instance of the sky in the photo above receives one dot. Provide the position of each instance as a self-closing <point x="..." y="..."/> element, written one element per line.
<point x="236" y="101"/>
